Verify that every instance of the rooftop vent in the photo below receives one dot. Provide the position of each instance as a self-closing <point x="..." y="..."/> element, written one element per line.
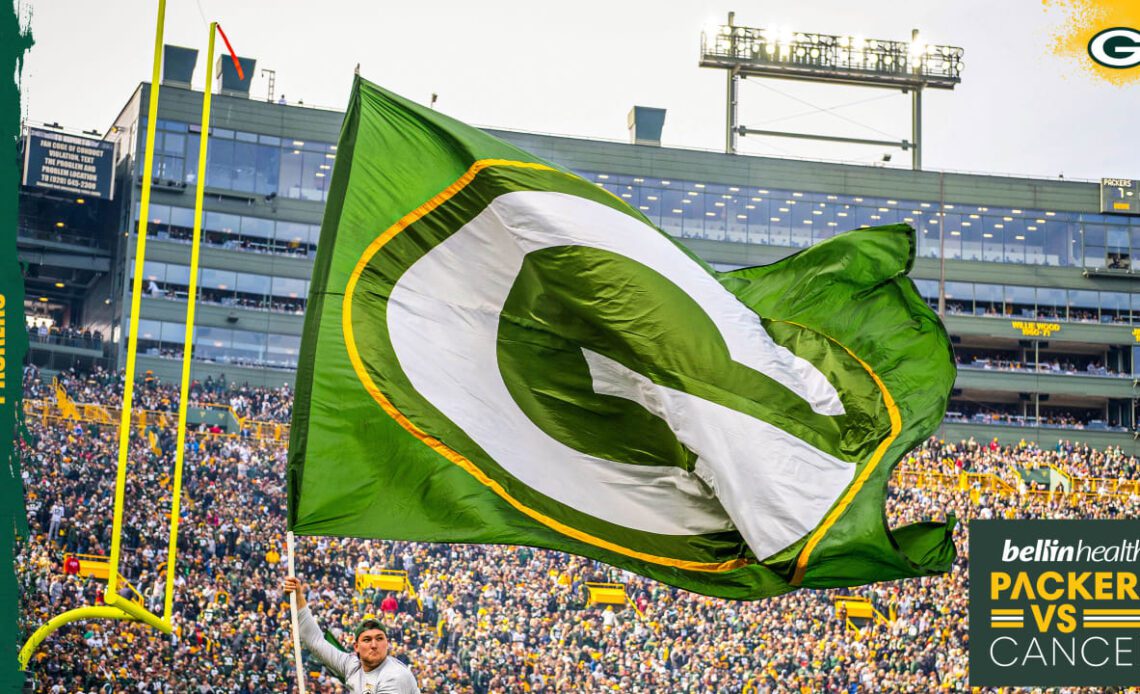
<point x="645" y="125"/>
<point x="178" y="65"/>
<point x="227" y="77"/>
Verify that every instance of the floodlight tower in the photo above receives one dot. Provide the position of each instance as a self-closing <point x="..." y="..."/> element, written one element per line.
<point x="910" y="66"/>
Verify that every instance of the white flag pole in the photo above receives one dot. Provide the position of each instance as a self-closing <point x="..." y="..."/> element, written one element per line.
<point x="293" y="609"/>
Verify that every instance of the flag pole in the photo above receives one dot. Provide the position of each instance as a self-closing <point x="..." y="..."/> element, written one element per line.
<point x="291" y="548"/>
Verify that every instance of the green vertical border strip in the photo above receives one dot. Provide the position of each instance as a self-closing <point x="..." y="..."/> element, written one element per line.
<point x="13" y="340"/>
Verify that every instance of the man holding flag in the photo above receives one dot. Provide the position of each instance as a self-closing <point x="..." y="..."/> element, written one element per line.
<point x="369" y="669"/>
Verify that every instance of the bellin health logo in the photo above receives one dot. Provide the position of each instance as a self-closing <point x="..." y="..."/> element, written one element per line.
<point x="1054" y="603"/>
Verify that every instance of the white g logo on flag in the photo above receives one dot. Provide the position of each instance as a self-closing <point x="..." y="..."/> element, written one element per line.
<point x="444" y="324"/>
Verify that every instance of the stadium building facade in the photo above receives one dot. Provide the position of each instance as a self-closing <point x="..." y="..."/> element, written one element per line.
<point x="1037" y="289"/>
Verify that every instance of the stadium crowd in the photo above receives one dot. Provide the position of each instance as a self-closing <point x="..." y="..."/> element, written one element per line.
<point x="487" y="618"/>
<point x="67" y="335"/>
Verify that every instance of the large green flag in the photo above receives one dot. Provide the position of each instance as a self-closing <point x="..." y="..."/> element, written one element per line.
<point x="498" y="351"/>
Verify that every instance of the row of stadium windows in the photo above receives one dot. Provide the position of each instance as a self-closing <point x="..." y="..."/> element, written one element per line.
<point x="241" y="232"/>
<point x="262" y="164"/>
<point x="226" y="287"/>
<point x="1078" y="305"/>
<point x="798" y="219"/>
<point x="242" y="161"/>
<point x="220" y="345"/>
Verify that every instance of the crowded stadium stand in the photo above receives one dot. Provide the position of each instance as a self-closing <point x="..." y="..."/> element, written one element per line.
<point x="467" y="618"/>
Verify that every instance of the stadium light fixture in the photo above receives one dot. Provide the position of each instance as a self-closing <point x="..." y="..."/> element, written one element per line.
<point x="779" y="52"/>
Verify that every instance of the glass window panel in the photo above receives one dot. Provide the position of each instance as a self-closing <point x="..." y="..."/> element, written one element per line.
<point x="644" y="201"/>
<point x="249" y="283"/>
<point x="1083" y="305"/>
<point x="150" y="330"/>
<point x="190" y="174"/>
<point x="1033" y="243"/>
<point x="737" y="217"/>
<point x="802" y="223"/>
<point x="992" y="240"/>
<point x="824" y="225"/>
<point x="779" y="223"/>
<point x="289" y="287"/>
<point x="929" y="238"/>
<point x="292" y="232"/>
<point x="1055" y="244"/>
<point x="172" y="143"/>
<point x="714" y="217"/>
<point x="928" y="289"/>
<point x="959" y="297"/>
<point x="672" y="216"/>
<point x="282" y="350"/>
<point x="1094" y="234"/>
<point x="212" y="343"/>
<point x="1015" y="246"/>
<point x="1052" y="303"/>
<point x="952" y="239"/>
<point x="1020" y="301"/>
<point x="291" y="171"/>
<point x="1117" y="238"/>
<point x="220" y="163"/>
<point x="961" y="242"/>
<point x="865" y="216"/>
<point x="174" y="334"/>
<point x="167" y="168"/>
<point x="1071" y="239"/>
<point x="257" y="228"/>
<point x="269" y="140"/>
<point x="245" y="137"/>
<point x="178" y="275"/>
<point x="221" y="133"/>
<point x="314" y="180"/>
<point x="218" y="279"/>
<point x="694" y="216"/>
<point x="153" y="271"/>
<point x="248" y="345"/>
<point x="888" y="214"/>
<point x="268" y="170"/>
<point x="218" y="221"/>
<point x="988" y="299"/>
<point x="759" y="211"/>
<point x="970" y="236"/>
<point x="182" y="217"/>
<point x="159" y="214"/>
<point x="1114" y="307"/>
<point x="244" y="165"/>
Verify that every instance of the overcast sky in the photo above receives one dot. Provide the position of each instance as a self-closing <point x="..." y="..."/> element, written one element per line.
<point x="576" y="68"/>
